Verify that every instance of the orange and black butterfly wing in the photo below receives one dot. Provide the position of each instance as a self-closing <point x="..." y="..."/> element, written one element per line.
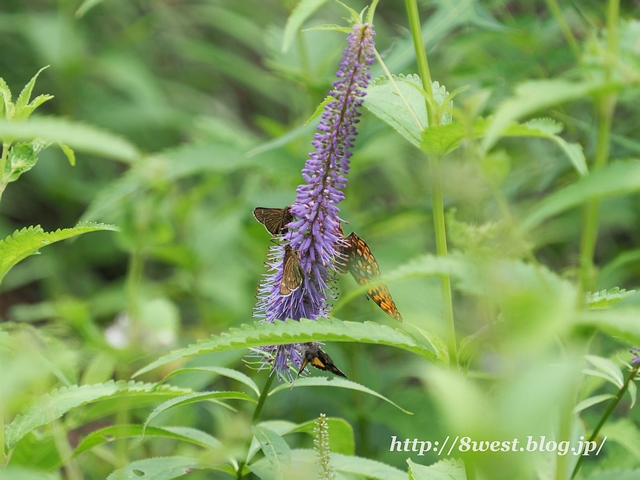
<point x="275" y="220"/>
<point x="313" y="355"/>
<point x="362" y="265"/>
<point x="292" y="273"/>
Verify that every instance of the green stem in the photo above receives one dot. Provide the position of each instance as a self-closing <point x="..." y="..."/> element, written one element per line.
<point x="436" y="182"/>
<point x="441" y="249"/>
<point x="421" y="58"/>
<point x="607" y="413"/>
<point x="605" y="108"/>
<point x="256" y="415"/>
<point x="564" y="26"/>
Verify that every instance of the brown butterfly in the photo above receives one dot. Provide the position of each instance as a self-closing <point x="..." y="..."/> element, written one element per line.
<point x="313" y="355"/>
<point x="292" y="273"/>
<point x="361" y="263"/>
<point x="275" y="220"/>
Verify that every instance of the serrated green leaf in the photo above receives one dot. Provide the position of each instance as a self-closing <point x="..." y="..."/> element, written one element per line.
<point x="618" y="178"/>
<point x="407" y="114"/>
<point x="55" y="404"/>
<point x="533" y="96"/>
<point x="194" y="398"/>
<point x="336" y="382"/>
<point x="591" y="401"/>
<point x="366" y="467"/>
<point x="442" y="139"/>
<point x="22" y="158"/>
<point x="227" y="372"/>
<point x="448" y="469"/>
<point x="118" y="432"/>
<point x="282" y="333"/>
<point x="300" y="14"/>
<point x="607" y="366"/>
<point x="29" y="109"/>
<point x="80" y="137"/>
<point x="276" y="451"/>
<point x="25" y="96"/>
<point x="158" y="468"/>
<point x="5" y="93"/>
<point x="29" y="240"/>
<point x="607" y="298"/>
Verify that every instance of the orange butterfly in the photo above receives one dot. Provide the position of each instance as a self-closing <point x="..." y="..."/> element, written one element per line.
<point x="361" y="263"/>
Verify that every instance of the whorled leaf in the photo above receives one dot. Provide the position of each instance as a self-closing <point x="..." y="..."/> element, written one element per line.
<point x="55" y="404"/>
<point x="29" y="240"/>
<point x="282" y="333"/>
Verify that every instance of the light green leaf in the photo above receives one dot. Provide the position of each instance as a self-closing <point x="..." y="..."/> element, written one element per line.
<point x="69" y="153"/>
<point x="607" y="298"/>
<point x="117" y="432"/>
<point x="194" y="398"/>
<point x="320" y="109"/>
<point x="157" y="468"/>
<point x="591" y="401"/>
<point x="335" y="382"/>
<point x="86" y="6"/>
<point x="7" y="106"/>
<point x="442" y="139"/>
<point x="18" y="473"/>
<point x="537" y="95"/>
<point x="613" y="475"/>
<point x="55" y="404"/>
<point x="407" y="113"/>
<point x="25" y="96"/>
<point x="227" y="372"/>
<point x="618" y="178"/>
<point x="448" y="469"/>
<point x="300" y="14"/>
<point x="276" y="451"/>
<point x="283" y="333"/>
<point x="366" y="467"/>
<point x="608" y="367"/>
<point x="625" y="433"/>
<point x="341" y="439"/>
<point x="329" y="27"/>
<point x="28" y="241"/>
<point x="22" y="158"/>
<point x="620" y="322"/>
<point x="80" y="137"/>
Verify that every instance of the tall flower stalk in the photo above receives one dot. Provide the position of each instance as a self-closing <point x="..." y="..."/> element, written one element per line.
<point x="315" y="234"/>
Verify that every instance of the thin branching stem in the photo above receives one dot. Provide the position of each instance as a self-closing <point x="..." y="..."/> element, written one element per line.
<point x="435" y="179"/>
<point x="564" y="26"/>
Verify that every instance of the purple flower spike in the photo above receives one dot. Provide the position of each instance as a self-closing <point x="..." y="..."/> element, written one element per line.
<point x="316" y="233"/>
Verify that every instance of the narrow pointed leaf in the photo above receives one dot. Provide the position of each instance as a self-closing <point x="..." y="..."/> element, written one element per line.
<point x="28" y="241"/>
<point x="276" y="451"/>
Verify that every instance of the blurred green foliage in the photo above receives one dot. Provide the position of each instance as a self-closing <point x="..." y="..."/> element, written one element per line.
<point x="204" y="89"/>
